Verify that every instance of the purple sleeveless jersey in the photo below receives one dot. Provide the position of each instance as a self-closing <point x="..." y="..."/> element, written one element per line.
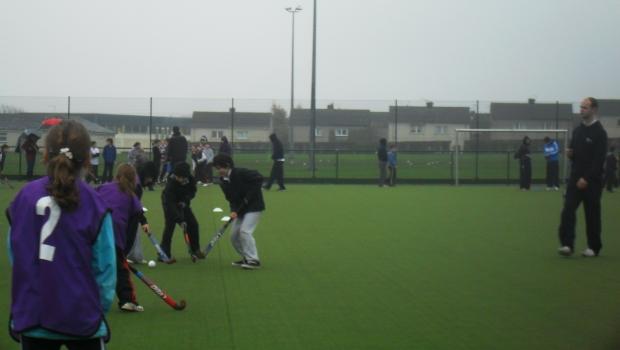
<point x="123" y="207"/>
<point x="53" y="286"/>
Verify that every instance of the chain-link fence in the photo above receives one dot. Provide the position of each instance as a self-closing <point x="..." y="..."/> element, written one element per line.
<point x="346" y="136"/>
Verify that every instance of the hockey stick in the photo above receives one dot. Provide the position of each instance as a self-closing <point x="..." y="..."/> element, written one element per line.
<point x="187" y="243"/>
<point x="160" y="293"/>
<point x="183" y="225"/>
<point x="218" y="234"/>
<point x="162" y="255"/>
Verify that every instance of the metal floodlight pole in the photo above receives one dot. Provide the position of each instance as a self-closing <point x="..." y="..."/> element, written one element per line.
<point x="396" y="122"/>
<point x="477" y="137"/>
<point x="151" y="125"/>
<point x="290" y="114"/>
<point x="68" y="107"/>
<point x="313" y="96"/>
<point x="232" y="124"/>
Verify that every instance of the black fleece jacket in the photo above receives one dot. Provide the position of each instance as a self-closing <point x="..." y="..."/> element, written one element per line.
<point x="243" y="191"/>
<point x="589" y="145"/>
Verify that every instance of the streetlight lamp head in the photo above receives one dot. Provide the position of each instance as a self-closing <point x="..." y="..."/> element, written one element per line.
<point x="288" y="8"/>
<point x="298" y="8"/>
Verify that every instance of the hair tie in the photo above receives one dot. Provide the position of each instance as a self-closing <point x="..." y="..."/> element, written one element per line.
<point x="66" y="152"/>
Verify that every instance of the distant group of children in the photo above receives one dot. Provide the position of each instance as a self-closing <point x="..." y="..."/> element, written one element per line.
<point x="62" y="290"/>
<point x="552" y="157"/>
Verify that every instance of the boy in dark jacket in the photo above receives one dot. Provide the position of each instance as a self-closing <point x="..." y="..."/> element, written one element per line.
<point x="242" y="188"/>
<point x="277" y="170"/>
<point x="176" y="197"/>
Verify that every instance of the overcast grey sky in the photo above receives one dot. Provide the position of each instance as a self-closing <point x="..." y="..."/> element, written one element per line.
<point x="405" y="49"/>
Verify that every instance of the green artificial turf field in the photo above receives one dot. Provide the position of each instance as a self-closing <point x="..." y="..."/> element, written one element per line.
<point x="363" y="267"/>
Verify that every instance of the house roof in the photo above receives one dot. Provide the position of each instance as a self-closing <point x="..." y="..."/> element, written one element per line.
<point x="333" y="117"/>
<point x="223" y="120"/>
<point x="531" y="111"/>
<point x="22" y="121"/>
<point x="432" y="114"/>
<point x="609" y="108"/>
<point x="117" y="120"/>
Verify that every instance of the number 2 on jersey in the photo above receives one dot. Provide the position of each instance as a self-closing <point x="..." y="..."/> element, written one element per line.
<point x="46" y="252"/>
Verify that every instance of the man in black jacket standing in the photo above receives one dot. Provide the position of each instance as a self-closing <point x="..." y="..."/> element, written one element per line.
<point x="177" y="147"/>
<point x="242" y="188"/>
<point x="587" y="151"/>
<point x="277" y="170"/>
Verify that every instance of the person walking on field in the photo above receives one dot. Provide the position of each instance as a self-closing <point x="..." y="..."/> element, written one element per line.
<point x="177" y="147"/>
<point x="93" y="175"/>
<point x="587" y="150"/>
<point x="156" y="158"/>
<point x="109" y="158"/>
<point x="392" y="160"/>
<point x="121" y="198"/>
<point x="525" y="164"/>
<point x="61" y="243"/>
<point x="242" y="188"/>
<point x="382" y="156"/>
<point x="31" y="149"/>
<point x="552" y="152"/>
<point x="277" y="170"/>
<point x="225" y="147"/>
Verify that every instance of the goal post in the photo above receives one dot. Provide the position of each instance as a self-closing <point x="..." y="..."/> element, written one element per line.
<point x="459" y="142"/>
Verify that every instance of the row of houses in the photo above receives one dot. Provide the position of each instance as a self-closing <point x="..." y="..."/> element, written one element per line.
<point x="426" y="127"/>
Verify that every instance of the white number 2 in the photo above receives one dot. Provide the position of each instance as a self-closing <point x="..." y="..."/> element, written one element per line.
<point x="46" y="252"/>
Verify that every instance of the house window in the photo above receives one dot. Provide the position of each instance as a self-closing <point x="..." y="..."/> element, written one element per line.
<point x="318" y="132"/>
<point x="417" y="129"/>
<point x="441" y="129"/>
<point x="3" y="136"/>
<point x="342" y="132"/>
<point x="241" y="135"/>
<point x="217" y="134"/>
<point x="519" y="126"/>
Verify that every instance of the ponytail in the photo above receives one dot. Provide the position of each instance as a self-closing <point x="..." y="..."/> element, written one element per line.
<point x="62" y="185"/>
<point x="67" y="148"/>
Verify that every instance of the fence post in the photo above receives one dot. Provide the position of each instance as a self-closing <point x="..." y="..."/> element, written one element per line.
<point x="337" y="164"/>
<point x="507" y="167"/>
<point x="232" y="125"/>
<point x="151" y="125"/>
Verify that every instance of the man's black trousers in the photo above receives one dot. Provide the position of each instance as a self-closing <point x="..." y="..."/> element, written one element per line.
<point x="277" y="174"/>
<point x="591" y="198"/>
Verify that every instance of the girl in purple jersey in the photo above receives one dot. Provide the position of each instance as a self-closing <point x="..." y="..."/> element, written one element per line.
<point x="121" y="198"/>
<point x="61" y="248"/>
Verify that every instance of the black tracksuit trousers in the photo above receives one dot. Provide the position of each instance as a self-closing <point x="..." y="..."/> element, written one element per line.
<point x="591" y="198"/>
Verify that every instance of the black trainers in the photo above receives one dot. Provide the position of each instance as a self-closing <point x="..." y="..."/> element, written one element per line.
<point x="251" y="265"/>
<point x="238" y="263"/>
<point x="199" y="254"/>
